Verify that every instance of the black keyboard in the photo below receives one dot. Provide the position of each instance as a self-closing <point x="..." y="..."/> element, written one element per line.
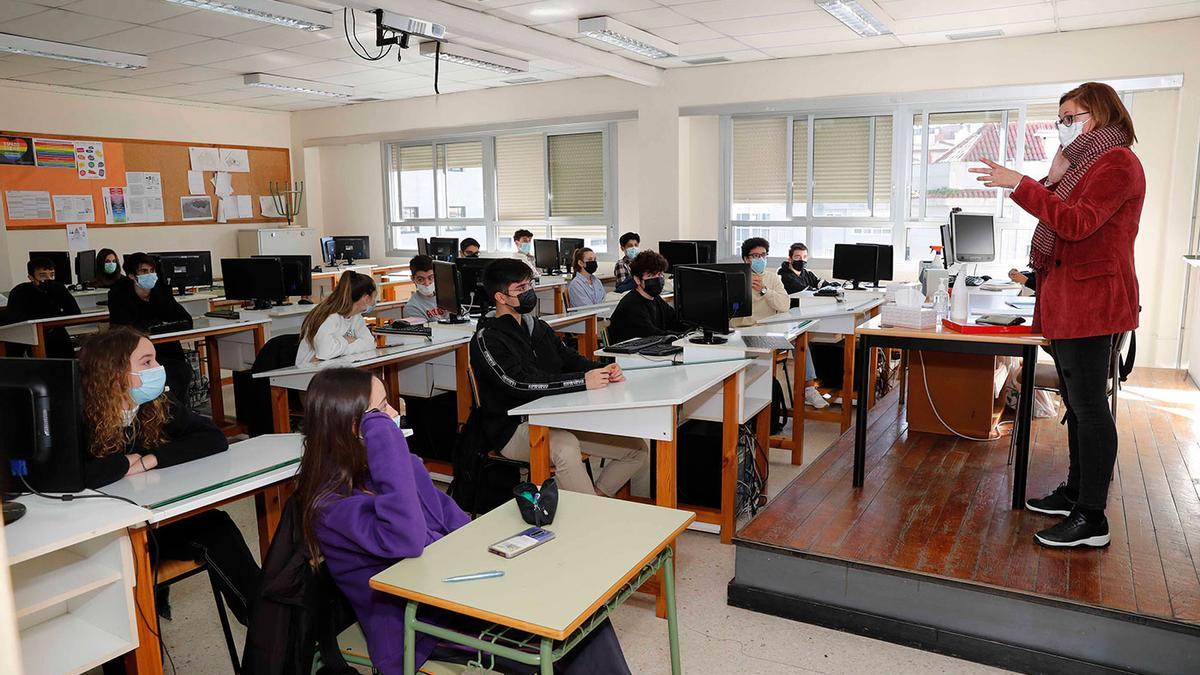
<point x="661" y="349"/>
<point x="230" y="314"/>
<point x="168" y="327"/>
<point x="405" y="328"/>
<point x="977" y="281"/>
<point x="636" y="345"/>
<point x="828" y="292"/>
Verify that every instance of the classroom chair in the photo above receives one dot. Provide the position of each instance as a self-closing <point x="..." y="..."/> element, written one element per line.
<point x="353" y="646"/>
<point x="170" y="572"/>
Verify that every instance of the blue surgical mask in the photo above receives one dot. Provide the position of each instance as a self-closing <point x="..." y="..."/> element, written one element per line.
<point x="110" y="267"/>
<point x="524" y="246"/>
<point x="758" y="265"/>
<point x="147" y="281"/>
<point x="154" y="380"/>
<point x="631" y="252"/>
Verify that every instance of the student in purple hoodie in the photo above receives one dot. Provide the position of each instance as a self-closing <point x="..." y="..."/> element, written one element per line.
<point x="368" y="503"/>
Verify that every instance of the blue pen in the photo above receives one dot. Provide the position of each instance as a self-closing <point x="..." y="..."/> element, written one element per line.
<point x="472" y="577"/>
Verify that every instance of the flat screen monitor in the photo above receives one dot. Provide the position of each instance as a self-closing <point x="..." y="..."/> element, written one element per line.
<point x="442" y="248"/>
<point x="327" y="254"/>
<point x="566" y="248"/>
<point x="679" y="253"/>
<point x="947" y="246"/>
<point x="854" y="262"/>
<point x="701" y="299"/>
<point x="184" y="269"/>
<point x="257" y="279"/>
<point x="545" y="254"/>
<point x="422" y="246"/>
<point x="974" y="237"/>
<point x="738" y="290"/>
<point x="352" y="248"/>
<point x="706" y="250"/>
<point x="883" y="262"/>
<point x="446" y="288"/>
<point x="62" y="264"/>
<point x="41" y="415"/>
<point x="297" y="273"/>
<point x="85" y="267"/>
<point x="470" y="277"/>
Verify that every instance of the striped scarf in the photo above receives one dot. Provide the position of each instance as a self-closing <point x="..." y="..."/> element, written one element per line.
<point x="1082" y="154"/>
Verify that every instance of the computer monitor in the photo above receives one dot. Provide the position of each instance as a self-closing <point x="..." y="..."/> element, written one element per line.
<point x="446" y="289"/>
<point x="256" y="279"/>
<point x="566" y="248"/>
<point x="327" y="254"/>
<point x="854" y="262"/>
<point x="706" y="250"/>
<point x="883" y="262"/>
<point x="738" y="289"/>
<point x="545" y="255"/>
<point x="183" y="269"/>
<point x="297" y="273"/>
<point x="62" y="264"/>
<point x="974" y="237"/>
<point x="679" y="253"/>
<point x="352" y="248"/>
<point x="41" y="415"/>
<point x="702" y="301"/>
<point x="947" y="247"/>
<point x="470" y="283"/>
<point x="442" y="248"/>
<point x="422" y="246"/>
<point x="85" y="267"/>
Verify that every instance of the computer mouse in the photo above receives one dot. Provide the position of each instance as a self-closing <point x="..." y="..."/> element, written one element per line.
<point x="304" y="301"/>
<point x="13" y="512"/>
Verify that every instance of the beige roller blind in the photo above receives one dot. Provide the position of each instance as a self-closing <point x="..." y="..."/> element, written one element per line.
<point x="883" y="165"/>
<point x="760" y="160"/>
<point x="412" y="158"/>
<point x="799" y="166"/>
<point x="841" y="166"/>
<point x="461" y="155"/>
<point x="520" y="177"/>
<point x="576" y="174"/>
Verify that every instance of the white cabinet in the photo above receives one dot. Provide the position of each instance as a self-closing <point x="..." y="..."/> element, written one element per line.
<point x="279" y="241"/>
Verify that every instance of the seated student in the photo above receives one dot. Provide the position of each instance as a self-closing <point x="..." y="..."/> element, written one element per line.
<point x="140" y="299"/>
<point x="586" y="288"/>
<point x="524" y="241"/>
<point x="642" y="313"/>
<point x="422" y="303"/>
<point x="367" y="503"/>
<point x="518" y="358"/>
<point x="108" y="268"/>
<point x="134" y="426"/>
<point x="766" y="289"/>
<point x="629" y="251"/>
<point x="795" y="273"/>
<point x="41" y="298"/>
<point x="468" y="248"/>
<point x="336" y="326"/>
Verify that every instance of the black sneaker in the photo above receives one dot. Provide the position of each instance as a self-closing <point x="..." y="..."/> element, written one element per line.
<point x="1056" y="503"/>
<point x="1077" y="530"/>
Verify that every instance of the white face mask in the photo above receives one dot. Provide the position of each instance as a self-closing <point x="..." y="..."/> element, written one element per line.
<point x="426" y="290"/>
<point x="1067" y="133"/>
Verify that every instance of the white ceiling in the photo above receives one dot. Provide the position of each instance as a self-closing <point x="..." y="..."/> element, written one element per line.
<point x="198" y="55"/>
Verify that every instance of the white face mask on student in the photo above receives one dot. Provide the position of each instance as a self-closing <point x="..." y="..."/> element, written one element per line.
<point x="426" y="290"/>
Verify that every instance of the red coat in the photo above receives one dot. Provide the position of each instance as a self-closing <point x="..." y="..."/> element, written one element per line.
<point x="1091" y="287"/>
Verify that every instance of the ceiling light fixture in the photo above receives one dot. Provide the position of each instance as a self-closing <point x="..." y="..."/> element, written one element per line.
<point x="855" y="17"/>
<point x="975" y="35"/>
<point x="18" y="44"/>
<point x="613" y="32"/>
<point x="476" y="58"/>
<point x="269" y="11"/>
<point x="297" y="86"/>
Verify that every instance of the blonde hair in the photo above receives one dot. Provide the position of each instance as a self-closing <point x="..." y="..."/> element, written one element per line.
<point x="104" y="362"/>
<point x="350" y="287"/>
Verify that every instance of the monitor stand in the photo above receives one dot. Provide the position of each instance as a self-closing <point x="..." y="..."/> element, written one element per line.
<point x="453" y="318"/>
<point x="182" y="290"/>
<point x="262" y="305"/>
<point x="855" y="285"/>
<point x="708" y="339"/>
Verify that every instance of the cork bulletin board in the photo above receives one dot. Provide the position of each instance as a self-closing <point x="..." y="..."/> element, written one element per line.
<point x="170" y="159"/>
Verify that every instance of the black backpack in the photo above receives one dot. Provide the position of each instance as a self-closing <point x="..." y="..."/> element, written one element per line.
<point x="480" y="484"/>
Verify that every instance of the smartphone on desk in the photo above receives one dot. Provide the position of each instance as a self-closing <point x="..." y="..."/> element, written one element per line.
<point x="522" y="542"/>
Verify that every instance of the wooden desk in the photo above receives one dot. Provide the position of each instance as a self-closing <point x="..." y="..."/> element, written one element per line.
<point x="873" y="335"/>
<point x="557" y="285"/>
<point x="603" y="550"/>
<point x="649" y="405"/>
<point x="260" y="467"/>
<point x="32" y="332"/>
<point x="582" y="323"/>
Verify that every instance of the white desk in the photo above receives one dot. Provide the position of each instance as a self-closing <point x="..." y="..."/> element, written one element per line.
<point x="90" y="299"/>
<point x="650" y="404"/>
<point x="239" y="350"/>
<point x="32" y="332"/>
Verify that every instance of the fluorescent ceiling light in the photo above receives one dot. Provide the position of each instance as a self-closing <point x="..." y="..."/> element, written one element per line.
<point x="270" y="11"/>
<point x="297" y="86"/>
<point x="855" y="17"/>
<point x="636" y="40"/>
<point x="17" y="44"/>
<point x="975" y="35"/>
<point x="476" y="58"/>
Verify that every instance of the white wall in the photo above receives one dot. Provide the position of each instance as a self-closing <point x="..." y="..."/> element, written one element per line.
<point x="51" y="110"/>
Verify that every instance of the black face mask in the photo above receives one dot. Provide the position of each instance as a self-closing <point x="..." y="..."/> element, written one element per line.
<point x="473" y="255"/>
<point x="799" y="264"/>
<point x="653" y="286"/>
<point x="528" y="300"/>
<point x="590" y="266"/>
<point x="44" y="285"/>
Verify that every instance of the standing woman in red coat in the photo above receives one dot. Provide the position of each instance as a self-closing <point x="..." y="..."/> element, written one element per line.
<point x="1088" y="210"/>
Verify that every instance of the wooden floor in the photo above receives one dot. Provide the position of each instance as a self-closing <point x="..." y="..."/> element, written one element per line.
<point x="941" y="506"/>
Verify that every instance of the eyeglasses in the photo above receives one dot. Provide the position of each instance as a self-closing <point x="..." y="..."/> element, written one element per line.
<point x="1068" y="120"/>
<point x="520" y="289"/>
<point x="757" y="256"/>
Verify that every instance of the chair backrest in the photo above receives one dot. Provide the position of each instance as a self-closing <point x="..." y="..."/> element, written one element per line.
<point x="474" y="386"/>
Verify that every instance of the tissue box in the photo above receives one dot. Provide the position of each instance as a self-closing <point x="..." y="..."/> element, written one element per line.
<point x="905" y="293"/>
<point x="908" y="317"/>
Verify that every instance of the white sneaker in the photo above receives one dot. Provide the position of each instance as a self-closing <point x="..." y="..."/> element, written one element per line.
<point x="814" y="398"/>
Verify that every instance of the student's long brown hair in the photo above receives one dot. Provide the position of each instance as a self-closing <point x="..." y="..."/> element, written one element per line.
<point x="104" y="362"/>
<point x="335" y="459"/>
<point x="1105" y="106"/>
<point x="350" y="287"/>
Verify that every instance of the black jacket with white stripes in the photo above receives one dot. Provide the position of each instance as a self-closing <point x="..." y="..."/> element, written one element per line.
<point x="515" y="363"/>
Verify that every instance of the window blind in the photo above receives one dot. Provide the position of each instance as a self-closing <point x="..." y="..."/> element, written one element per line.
<point x="799" y="167"/>
<point x="413" y="165"/>
<point x="883" y="167"/>
<point x="760" y="160"/>
<point x="520" y="177"/>
<point x="841" y="160"/>
<point x="576" y="174"/>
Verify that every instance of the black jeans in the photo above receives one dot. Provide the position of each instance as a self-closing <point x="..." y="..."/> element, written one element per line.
<point x="212" y="537"/>
<point x="1083" y="367"/>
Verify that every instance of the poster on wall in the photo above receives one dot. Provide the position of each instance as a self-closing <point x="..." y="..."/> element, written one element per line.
<point x="204" y="159"/>
<point x="28" y="205"/>
<point x="52" y="153"/>
<point x="195" y="207"/>
<point x="114" y="206"/>
<point x="16" y="150"/>
<point x="74" y="208"/>
<point x="143" y="197"/>
<point x="77" y="238"/>
<point x="89" y="160"/>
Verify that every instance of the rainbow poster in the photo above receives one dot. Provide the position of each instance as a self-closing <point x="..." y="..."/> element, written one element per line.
<point x="52" y="153"/>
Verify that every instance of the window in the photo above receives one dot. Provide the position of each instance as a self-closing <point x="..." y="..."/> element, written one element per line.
<point x="576" y="175"/>
<point x="460" y="176"/>
<point x="520" y="177"/>
<point x="760" y="172"/>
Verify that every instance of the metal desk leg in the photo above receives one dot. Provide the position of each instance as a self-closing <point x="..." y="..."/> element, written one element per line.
<point x="546" y="656"/>
<point x="860" y="415"/>
<point x="1024" y="426"/>
<point x="672" y="620"/>
<point x="410" y="639"/>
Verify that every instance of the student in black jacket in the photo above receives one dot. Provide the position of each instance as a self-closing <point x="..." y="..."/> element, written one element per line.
<point x="141" y="300"/>
<point x="795" y="273"/>
<point x="42" y="298"/>
<point x="642" y="312"/>
<point x="135" y="427"/>
<point x="517" y="358"/>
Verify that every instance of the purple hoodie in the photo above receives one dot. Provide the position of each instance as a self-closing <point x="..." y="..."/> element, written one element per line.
<point x="364" y="533"/>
